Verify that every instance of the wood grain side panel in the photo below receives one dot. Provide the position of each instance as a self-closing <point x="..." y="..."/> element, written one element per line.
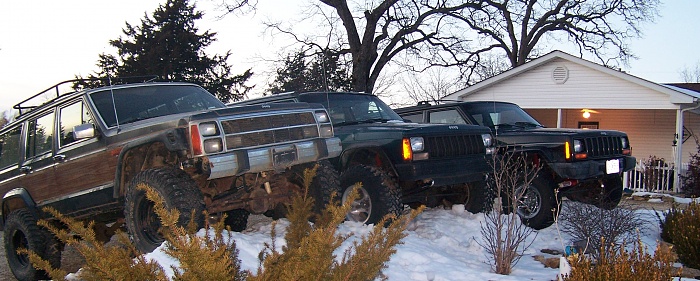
<point x="79" y="174"/>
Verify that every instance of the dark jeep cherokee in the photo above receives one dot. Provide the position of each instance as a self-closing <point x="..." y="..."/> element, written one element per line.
<point x="399" y="162"/>
<point x="583" y="165"/>
<point x="84" y="153"/>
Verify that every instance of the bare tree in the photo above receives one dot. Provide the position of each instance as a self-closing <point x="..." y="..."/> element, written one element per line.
<point x="375" y="33"/>
<point x="691" y="74"/>
<point x="504" y="237"/>
<point x="432" y="85"/>
<point x="520" y="28"/>
<point x="467" y="34"/>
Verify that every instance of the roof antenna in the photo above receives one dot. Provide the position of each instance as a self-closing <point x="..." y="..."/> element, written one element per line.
<point x="114" y="104"/>
<point x="323" y="69"/>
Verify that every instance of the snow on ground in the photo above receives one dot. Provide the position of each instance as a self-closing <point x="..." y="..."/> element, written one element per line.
<point x="441" y="245"/>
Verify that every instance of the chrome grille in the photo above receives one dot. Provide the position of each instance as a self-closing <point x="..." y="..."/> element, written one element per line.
<point x="267" y="122"/>
<point x="454" y="146"/>
<point x="602" y="146"/>
<point x="270" y="129"/>
<point x="270" y="137"/>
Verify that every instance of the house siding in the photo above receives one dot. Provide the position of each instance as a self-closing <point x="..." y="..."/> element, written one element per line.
<point x="585" y="88"/>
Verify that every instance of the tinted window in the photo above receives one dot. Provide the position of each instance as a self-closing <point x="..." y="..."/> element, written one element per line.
<point x="352" y="108"/>
<point x="40" y="135"/>
<point x="499" y="115"/>
<point x="414" y="117"/>
<point x="9" y="147"/>
<point x="71" y="116"/>
<point x="446" y="117"/>
<point x="139" y="103"/>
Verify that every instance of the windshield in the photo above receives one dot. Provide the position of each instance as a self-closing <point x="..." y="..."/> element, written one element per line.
<point x="500" y="115"/>
<point x="138" y="103"/>
<point x="352" y="109"/>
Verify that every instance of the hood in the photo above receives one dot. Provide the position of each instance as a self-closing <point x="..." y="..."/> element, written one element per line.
<point x="412" y="129"/>
<point x="558" y="132"/>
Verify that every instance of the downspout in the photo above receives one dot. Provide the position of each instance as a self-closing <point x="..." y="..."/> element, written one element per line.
<point x="678" y="142"/>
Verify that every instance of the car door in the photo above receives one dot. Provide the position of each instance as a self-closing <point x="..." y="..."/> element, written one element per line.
<point x="83" y="168"/>
<point x="37" y="166"/>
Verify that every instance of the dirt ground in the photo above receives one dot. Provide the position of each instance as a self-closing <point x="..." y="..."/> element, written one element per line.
<point x="70" y="260"/>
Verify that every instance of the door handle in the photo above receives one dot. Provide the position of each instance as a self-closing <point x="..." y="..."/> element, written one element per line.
<point x="25" y="169"/>
<point x="59" y="157"/>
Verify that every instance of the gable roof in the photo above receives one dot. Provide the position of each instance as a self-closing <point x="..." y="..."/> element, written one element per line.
<point x="677" y="94"/>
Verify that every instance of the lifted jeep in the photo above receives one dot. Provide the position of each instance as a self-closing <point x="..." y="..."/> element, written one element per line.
<point x="399" y="162"/>
<point x="86" y="153"/>
<point x="583" y="165"/>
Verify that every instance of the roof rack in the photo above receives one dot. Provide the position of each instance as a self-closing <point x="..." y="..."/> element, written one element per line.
<point x="116" y="80"/>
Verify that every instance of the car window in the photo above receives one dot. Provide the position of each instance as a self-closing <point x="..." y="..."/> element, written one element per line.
<point x="40" y="135"/>
<point x="71" y="116"/>
<point x="446" y="117"/>
<point x="9" y="147"/>
<point x="140" y="103"/>
<point x="414" y="117"/>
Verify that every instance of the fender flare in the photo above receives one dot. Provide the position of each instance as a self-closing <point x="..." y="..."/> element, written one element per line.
<point x="22" y="195"/>
<point x="174" y="140"/>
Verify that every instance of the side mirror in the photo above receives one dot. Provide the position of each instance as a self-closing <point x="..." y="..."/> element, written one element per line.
<point x="83" y="131"/>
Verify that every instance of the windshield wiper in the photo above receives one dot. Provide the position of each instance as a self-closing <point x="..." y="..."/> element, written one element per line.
<point x="372" y="120"/>
<point x="503" y="125"/>
<point x="526" y="124"/>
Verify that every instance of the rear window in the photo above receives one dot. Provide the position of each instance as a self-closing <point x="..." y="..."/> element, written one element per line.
<point x="9" y="147"/>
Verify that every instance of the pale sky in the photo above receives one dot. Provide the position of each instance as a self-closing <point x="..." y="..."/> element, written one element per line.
<point x="45" y="42"/>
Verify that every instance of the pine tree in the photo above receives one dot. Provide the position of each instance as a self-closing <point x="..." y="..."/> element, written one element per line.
<point x="169" y="45"/>
<point x="317" y="72"/>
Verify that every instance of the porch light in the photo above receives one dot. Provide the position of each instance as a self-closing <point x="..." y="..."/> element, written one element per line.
<point x="587" y="112"/>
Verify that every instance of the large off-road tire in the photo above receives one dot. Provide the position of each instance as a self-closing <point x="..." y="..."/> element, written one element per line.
<point x="178" y="191"/>
<point x="324" y="185"/>
<point x="611" y="193"/>
<point x="21" y="231"/>
<point x="478" y="198"/>
<point x="379" y="195"/>
<point x="537" y="205"/>
<point x="237" y="219"/>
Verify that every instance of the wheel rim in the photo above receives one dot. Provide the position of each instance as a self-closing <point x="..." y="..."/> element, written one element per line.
<point x="19" y="241"/>
<point x="361" y="207"/>
<point x="529" y="203"/>
<point x="148" y="222"/>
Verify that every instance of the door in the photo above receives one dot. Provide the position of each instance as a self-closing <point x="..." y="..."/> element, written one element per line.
<point x="37" y="167"/>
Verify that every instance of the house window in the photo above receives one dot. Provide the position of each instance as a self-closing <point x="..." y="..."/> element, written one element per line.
<point x="588" y="125"/>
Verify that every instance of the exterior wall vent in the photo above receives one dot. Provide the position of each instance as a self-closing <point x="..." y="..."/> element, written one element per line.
<point x="560" y="74"/>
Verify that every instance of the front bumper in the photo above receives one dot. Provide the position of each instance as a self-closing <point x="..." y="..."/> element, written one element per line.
<point x="273" y="157"/>
<point x="583" y="170"/>
<point x="445" y="172"/>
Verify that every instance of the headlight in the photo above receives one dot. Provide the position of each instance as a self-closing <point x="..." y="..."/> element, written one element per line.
<point x="578" y="146"/>
<point x="208" y="129"/>
<point x="213" y="145"/>
<point x="488" y="141"/>
<point x="625" y="142"/>
<point x="417" y="144"/>
<point x="321" y="116"/>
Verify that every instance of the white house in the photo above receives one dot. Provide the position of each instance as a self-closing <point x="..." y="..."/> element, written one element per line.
<point x="558" y="88"/>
